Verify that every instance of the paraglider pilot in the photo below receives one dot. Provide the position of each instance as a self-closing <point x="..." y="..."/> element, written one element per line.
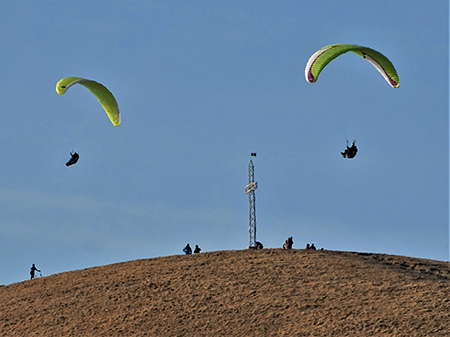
<point x="74" y="159"/>
<point x="350" y="151"/>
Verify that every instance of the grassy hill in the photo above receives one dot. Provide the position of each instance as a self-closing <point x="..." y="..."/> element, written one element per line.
<point x="269" y="292"/>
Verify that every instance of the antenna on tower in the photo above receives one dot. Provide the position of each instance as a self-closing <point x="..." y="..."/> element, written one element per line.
<point x="250" y="190"/>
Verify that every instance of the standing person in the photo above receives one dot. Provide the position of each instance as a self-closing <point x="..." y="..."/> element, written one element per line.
<point x="197" y="249"/>
<point x="288" y="243"/>
<point x="33" y="270"/>
<point x="187" y="250"/>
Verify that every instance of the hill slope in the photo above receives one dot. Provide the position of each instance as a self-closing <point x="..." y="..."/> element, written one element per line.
<point x="270" y="292"/>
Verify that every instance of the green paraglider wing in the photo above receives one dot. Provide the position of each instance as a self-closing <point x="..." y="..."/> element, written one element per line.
<point x="319" y="60"/>
<point x="104" y="96"/>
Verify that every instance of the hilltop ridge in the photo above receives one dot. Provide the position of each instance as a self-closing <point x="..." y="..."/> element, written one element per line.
<point x="269" y="292"/>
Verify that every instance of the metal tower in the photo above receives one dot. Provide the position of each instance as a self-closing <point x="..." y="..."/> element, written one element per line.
<point x="250" y="190"/>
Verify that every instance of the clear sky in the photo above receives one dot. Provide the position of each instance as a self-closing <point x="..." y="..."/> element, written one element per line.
<point x="201" y="85"/>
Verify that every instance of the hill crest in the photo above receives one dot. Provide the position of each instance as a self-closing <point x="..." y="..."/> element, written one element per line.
<point x="269" y="292"/>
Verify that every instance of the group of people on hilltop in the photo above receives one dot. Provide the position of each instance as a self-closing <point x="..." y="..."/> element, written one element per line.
<point x="188" y="250"/>
<point x="289" y="242"/>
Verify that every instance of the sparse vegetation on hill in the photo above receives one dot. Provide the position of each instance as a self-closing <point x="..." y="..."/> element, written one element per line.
<point x="269" y="292"/>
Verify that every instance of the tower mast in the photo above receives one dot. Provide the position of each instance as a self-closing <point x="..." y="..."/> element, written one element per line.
<point x="250" y="190"/>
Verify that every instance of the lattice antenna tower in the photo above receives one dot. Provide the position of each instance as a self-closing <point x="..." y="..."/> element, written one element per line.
<point x="250" y="190"/>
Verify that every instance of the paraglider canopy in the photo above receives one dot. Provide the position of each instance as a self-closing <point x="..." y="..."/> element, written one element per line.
<point x="320" y="59"/>
<point x="104" y="96"/>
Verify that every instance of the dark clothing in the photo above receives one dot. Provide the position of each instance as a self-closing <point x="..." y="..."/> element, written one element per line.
<point x="74" y="159"/>
<point x="197" y="249"/>
<point x="350" y="152"/>
<point x="187" y="250"/>
<point x="288" y="244"/>
<point x="33" y="270"/>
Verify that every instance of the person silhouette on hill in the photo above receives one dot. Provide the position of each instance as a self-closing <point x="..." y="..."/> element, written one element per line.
<point x="197" y="249"/>
<point x="33" y="270"/>
<point x="288" y="243"/>
<point x="187" y="250"/>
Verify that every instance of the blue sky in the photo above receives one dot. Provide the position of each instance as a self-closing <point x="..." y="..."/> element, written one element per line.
<point x="201" y="85"/>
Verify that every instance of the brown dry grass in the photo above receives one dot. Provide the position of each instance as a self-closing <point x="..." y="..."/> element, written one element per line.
<point x="270" y="292"/>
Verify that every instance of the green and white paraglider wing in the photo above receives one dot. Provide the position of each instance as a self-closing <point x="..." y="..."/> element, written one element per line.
<point x="104" y="96"/>
<point x="319" y="60"/>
